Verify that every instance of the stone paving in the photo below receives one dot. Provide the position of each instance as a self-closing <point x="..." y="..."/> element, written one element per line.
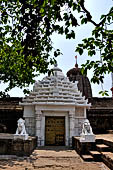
<point x="108" y="137"/>
<point x="50" y="158"/>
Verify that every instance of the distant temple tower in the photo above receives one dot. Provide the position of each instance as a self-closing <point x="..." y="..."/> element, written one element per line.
<point x="84" y="85"/>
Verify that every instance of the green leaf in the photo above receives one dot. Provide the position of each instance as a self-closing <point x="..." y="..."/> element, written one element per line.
<point x="84" y="21"/>
<point x="52" y="2"/>
<point x="102" y="16"/>
<point x="104" y="93"/>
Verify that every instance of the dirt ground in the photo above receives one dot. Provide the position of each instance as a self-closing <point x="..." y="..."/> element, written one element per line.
<point x="50" y="158"/>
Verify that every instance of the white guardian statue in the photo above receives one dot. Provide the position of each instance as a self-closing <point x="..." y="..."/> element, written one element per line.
<point x="21" y="131"/>
<point x="87" y="133"/>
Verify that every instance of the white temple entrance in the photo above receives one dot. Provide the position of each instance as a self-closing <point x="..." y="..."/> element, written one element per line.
<point x="55" y="131"/>
<point x="55" y="110"/>
<point x="55" y="127"/>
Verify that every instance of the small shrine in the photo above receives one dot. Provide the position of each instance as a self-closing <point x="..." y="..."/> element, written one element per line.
<point x="55" y="110"/>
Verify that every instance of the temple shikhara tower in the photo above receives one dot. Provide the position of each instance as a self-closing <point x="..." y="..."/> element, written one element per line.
<point x="55" y="110"/>
<point x="84" y="85"/>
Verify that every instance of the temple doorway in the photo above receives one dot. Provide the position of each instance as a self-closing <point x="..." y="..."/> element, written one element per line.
<point x="55" y="130"/>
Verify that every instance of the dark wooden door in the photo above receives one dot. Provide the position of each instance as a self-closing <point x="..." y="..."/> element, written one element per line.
<point x="55" y="131"/>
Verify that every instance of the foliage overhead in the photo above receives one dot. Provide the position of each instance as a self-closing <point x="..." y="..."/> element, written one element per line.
<point x="26" y="28"/>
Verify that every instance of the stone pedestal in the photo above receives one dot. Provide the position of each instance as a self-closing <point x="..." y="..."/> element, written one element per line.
<point x="17" y="146"/>
<point x="87" y="138"/>
<point x="23" y="137"/>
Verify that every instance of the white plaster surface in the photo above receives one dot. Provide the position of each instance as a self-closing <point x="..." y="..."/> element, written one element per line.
<point x="55" y="95"/>
<point x="87" y="138"/>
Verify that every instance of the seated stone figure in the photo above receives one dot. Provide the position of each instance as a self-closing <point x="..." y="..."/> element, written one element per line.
<point x="87" y="134"/>
<point x="21" y="131"/>
<point x="87" y="129"/>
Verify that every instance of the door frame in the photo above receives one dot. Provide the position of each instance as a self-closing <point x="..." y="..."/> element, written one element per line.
<point x="59" y="114"/>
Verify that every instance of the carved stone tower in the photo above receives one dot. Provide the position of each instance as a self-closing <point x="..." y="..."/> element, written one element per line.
<point x="84" y="85"/>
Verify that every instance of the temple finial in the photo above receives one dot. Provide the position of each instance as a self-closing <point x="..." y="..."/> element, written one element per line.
<point x="76" y="65"/>
<point x="55" y="65"/>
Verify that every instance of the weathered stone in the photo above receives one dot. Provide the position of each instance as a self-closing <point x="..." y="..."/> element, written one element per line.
<point x="84" y="85"/>
<point x="18" y="147"/>
<point x="22" y="137"/>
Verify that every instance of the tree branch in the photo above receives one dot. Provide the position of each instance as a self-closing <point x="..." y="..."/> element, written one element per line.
<point x="89" y="17"/>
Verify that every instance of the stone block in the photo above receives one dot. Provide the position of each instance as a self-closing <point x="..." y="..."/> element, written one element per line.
<point x="22" y="137"/>
<point x="87" y="138"/>
<point x="17" y="147"/>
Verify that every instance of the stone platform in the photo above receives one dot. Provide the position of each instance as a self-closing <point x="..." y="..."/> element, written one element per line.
<point x="19" y="147"/>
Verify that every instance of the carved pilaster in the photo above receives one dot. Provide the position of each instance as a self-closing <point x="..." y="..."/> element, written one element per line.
<point x="71" y="122"/>
<point x="38" y="117"/>
<point x="71" y="118"/>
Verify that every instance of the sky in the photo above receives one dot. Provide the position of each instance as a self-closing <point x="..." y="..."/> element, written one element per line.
<point x="67" y="47"/>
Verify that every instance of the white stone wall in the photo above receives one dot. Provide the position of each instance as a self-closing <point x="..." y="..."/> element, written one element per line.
<point x="80" y="116"/>
<point x="30" y="125"/>
<point x="35" y="120"/>
<point x="29" y="119"/>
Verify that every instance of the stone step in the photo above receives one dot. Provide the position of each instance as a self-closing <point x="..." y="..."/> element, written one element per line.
<point x="56" y="157"/>
<point x="96" y="155"/>
<point x="107" y="158"/>
<point x="102" y="148"/>
<point x="99" y="141"/>
<point x="109" y="143"/>
<point x="87" y="158"/>
<point x="110" y="131"/>
<point x="8" y="157"/>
